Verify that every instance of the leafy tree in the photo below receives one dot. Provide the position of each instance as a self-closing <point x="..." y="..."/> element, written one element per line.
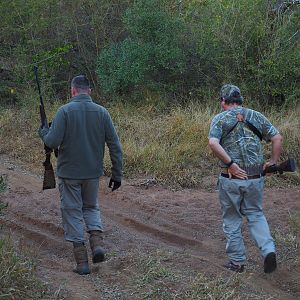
<point x="152" y="55"/>
<point x="249" y="44"/>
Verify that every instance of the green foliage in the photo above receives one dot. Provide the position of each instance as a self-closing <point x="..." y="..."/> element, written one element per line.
<point x="189" y="48"/>
<point x="278" y="71"/>
<point x="152" y="55"/>
<point x="123" y="65"/>
<point x="247" y="43"/>
<point x="62" y="37"/>
<point x="194" y="47"/>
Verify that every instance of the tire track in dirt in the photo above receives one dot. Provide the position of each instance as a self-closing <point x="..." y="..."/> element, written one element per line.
<point x="53" y="256"/>
<point x="35" y="232"/>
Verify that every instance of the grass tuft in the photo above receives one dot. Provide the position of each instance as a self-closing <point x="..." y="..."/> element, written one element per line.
<point x="294" y="222"/>
<point x="3" y="187"/>
<point x="3" y="183"/>
<point x="156" y="277"/>
<point x="17" y="275"/>
<point x="202" y="287"/>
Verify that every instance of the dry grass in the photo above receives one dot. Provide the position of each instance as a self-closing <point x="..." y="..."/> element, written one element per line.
<point x="170" y="147"/>
<point x="17" y="268"/>
<point x="17" y="274"/>
<point x="154" y="276"/>
<point x="294" y="223"/>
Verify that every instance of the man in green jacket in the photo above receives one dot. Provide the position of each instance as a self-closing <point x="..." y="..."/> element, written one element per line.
<point x="80" y="130"/>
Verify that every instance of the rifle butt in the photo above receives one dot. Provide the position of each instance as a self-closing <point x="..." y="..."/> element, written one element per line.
<point x="49" y="178"/>
<point x="287" y="166"/>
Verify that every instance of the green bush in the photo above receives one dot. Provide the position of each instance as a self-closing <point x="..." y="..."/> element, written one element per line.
<point x="195" y="47"/>
<point x="186" y="48"/>
<point x="152" y="56"/>
<point x="249" y="44"/>
<point x="123" y="66"/>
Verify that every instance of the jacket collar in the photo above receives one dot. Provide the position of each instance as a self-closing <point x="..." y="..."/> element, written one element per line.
<point x="81" y="98"/>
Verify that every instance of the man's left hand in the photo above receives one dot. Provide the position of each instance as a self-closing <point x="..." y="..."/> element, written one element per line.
<point x="235" y="170"/>
<point x="114" y="184"/>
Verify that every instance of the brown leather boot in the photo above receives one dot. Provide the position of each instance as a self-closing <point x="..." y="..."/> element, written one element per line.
<point x="81" y="259"/>
<point x="95" y="242"/>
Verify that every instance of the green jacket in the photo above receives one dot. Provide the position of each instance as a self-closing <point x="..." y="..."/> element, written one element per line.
<point x="80" y="130"/>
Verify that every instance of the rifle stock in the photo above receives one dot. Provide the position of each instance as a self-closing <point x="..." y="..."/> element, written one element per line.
<point x="49" y="177"/>
<point x="287" y="166"/>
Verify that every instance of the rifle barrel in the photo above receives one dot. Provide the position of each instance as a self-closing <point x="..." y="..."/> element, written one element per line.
<point x="44" y="121"/>
<point x="38" y="85"/>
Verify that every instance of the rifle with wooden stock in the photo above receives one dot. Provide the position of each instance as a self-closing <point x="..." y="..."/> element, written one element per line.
<point x="49" y="177"/>
<point x="287" y="166"/>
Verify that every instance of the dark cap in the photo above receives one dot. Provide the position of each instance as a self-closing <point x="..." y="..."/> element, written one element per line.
<point x="231" y="94"/>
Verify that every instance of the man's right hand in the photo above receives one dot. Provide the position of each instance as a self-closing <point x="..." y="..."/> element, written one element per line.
<point x="235" y="170"/>
<point x="114" y="184"/>
<point x="47" y="149"/>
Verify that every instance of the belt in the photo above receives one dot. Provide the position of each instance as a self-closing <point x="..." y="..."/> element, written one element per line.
<point x="248" y="177"/>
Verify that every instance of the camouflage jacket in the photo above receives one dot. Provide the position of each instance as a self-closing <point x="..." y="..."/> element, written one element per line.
<point x="241" y="143"/>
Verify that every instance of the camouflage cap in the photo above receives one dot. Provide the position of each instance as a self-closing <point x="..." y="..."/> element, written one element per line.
<point x="231" y="93"/>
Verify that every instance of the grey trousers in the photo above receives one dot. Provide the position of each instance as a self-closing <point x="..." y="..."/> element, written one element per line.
<point x="79" y="207"/>
<point x="238" y="199"/>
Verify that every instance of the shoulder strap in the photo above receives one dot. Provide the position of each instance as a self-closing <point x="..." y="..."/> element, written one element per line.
<point x="254" y="129"/>
<point x="240" y="118"/>
<point x="222" y="138"/>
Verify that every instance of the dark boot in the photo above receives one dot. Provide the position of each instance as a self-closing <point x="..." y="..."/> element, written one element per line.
<point x="270" y="264"/>
<point x="81" y="259"/>
<point x="95" y="242"/>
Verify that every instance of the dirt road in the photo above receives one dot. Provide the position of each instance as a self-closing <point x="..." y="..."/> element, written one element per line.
<point x="182" y="228"/>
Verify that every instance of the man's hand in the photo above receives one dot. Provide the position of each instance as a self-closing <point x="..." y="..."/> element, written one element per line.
<point x="236" y="171"/>
<point x="43" y="130"/>
<point x="268" y="164"/>
<point x="47" y="149"/>
<point x="114" y="184"/>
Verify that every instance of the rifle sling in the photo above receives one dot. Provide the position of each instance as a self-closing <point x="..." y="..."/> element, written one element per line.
<point x="249" y="125"/>
<point x="254" y="129"/>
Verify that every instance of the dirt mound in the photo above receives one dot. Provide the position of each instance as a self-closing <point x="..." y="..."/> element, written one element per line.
<point x="182" y="228"/>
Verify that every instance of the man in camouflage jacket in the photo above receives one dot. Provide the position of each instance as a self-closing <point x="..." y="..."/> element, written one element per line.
<point x="235" y="138"/>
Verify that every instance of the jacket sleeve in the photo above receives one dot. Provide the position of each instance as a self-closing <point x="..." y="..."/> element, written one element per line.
<point x="114" y="146"/>
<point x="53" y="136"/>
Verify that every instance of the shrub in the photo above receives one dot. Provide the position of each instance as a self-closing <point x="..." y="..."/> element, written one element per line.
<point x="152" y="55"/>
<point x="247" y="43"/>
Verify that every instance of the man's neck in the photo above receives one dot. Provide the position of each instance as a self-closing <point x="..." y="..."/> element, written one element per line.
<point x="230" y="106"/>
<point x="81" y="94"/>
<point x="75" y="92"/>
